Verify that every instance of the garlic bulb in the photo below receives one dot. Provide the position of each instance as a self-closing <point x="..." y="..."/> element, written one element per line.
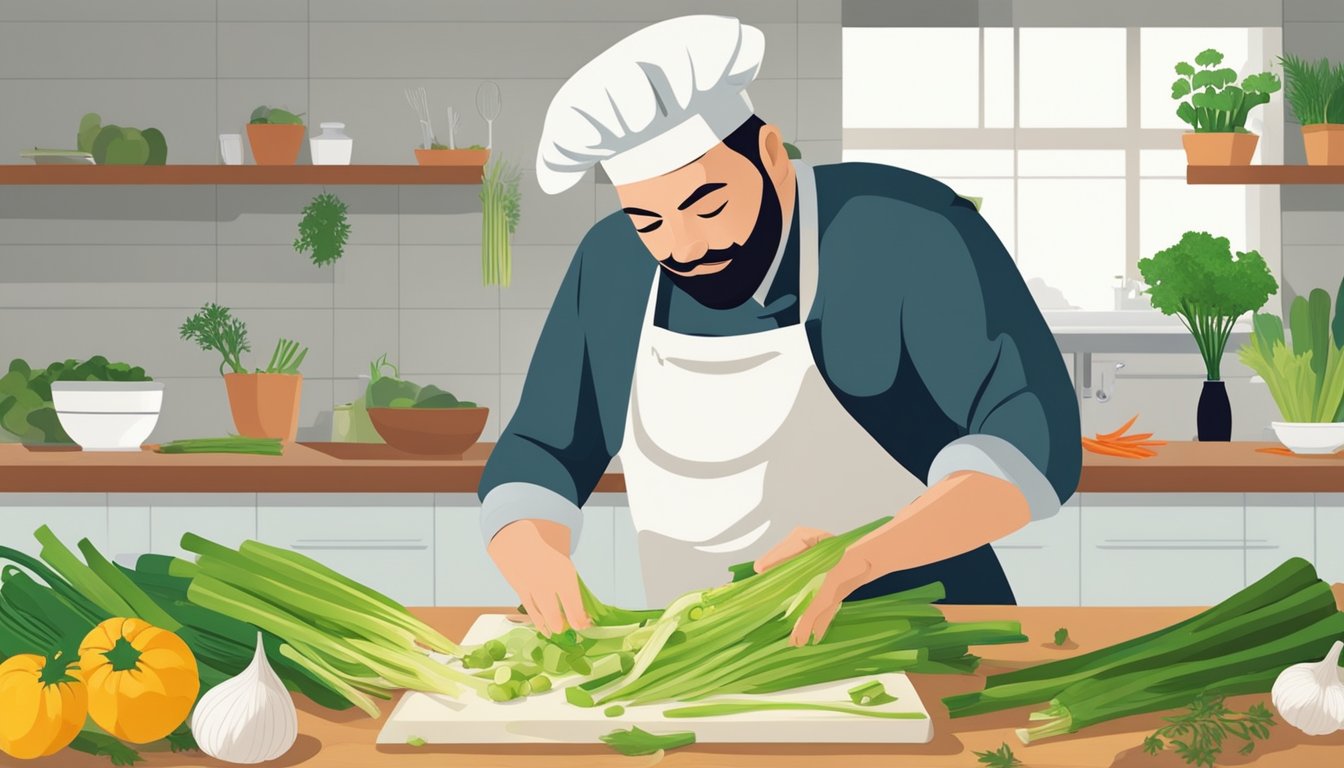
<point x="249" y="718"/>
<point x="1310" y="696"/>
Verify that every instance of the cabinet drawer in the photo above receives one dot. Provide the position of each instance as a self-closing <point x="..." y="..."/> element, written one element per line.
<point x="71" y="516"/>
<point x="1330" y="536"/>
<point x="1278" y="526"/>
<point x="1042" y="559"/>
<point x="1162" y="549"/>
<point x="384" y="541"/>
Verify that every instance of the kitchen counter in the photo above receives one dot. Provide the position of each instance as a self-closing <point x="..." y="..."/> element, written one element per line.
<point x="346" y="739"/>
<point x="1180" y="467"/>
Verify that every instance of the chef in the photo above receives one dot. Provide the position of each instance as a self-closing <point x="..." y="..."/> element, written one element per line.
<point x="776" y="353"/>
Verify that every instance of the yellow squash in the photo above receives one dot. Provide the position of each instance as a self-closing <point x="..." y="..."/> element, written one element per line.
<point x="42" y="707"/>
<point x="142" y="680"/>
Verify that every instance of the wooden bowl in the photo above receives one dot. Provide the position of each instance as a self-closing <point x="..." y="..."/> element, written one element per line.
<point x="444" y="433"/>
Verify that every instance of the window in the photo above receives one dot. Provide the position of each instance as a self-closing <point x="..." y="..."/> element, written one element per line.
<point x="1068" y="133"/>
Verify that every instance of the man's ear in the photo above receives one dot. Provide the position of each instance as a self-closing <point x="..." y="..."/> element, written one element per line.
<point x="773" y="155"/>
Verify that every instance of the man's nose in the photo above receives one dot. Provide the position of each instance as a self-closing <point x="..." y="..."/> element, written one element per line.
<point x="685" y="253"/>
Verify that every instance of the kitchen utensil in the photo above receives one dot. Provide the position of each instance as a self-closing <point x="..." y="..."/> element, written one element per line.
<point x="419" y="101"/>
<point x="548" y="718"/>
<point x="231" y="148"/>
<point x="1310" y="438"/>
<point x="332" y="146"/>
<point x="107" y="415"/>
<point x="489" y="103"/>
<point x="453" y="119"/>
<point x="58" y="157"/>
<point x="441" y="432"/>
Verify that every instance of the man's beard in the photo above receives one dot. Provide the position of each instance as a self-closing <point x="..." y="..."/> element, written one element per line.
<point x="734" y="284"/>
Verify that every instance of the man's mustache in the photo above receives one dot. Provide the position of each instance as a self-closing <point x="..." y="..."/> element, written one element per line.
<point x="713" y="257"/>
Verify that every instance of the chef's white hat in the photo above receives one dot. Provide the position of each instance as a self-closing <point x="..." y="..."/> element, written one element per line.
<point x="651" y="103"/>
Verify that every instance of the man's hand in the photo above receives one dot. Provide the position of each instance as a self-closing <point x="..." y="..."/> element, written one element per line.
<point x="848" y="575"/>
<point x="533" y="555"/>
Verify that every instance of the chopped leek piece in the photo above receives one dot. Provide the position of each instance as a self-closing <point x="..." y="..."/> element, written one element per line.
<point x="638" y="741"/>
<point x="870" y="694"/>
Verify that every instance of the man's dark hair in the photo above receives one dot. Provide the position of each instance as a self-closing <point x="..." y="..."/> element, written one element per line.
<point x="745" y="140"/>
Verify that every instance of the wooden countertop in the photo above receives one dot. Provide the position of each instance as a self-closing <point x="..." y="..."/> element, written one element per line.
<point x="346" y="739"/>
<point x="361" y="468"/>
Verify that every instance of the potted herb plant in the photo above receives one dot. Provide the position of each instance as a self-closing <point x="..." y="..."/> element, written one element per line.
<point x="265" y="402"/>
<point x="1216" y="109"/>
<point x="1316" y="93"/>
<point x="276" y="136"/>
<point x="1305" y="374"/>
<point x="1199" y="281"/>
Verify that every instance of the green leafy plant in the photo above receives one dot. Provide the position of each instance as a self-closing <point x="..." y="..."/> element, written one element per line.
<point x="392" y="391"/>
<point x="324" y="229"/>
<point x="501" y="209"/>
<point x="638" y="741"/>
<point x="1200" y="282"/>
<point x="1315" y="90"/>
<point x="115" y="145"/>
<point x="215" y="328"/>
<point x="1002" y="757"/>
<point x="1210" y="102"/>
<point x="1305" y="379"/>
<point x="26" y="410"/>
<point x="286" y="358"/>
<point x="1197" y="735"/>
<point x="275" y="116"/>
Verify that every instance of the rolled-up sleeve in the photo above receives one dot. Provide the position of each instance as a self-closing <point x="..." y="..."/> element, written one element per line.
<point x="552" y="453"/>
<point x="989" y="361"/>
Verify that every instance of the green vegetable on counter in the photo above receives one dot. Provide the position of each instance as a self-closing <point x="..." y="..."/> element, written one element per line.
<point x="723" y="707"/>
<point x="1061" y="636"/>
<point x="261" y="446"/>
<point x="870" y="694"/>
<point x="637" y="741"/>
<point x="26" y="410"/>
<point x="1197" y="735"/>
<point x="386" y="391"/>
<point x="1002" y="757"/>
<point x="324" y="229"/>
<point x="1236" y="647"/>
<point x="415" y="741"/>
<point x="615" y="710"/>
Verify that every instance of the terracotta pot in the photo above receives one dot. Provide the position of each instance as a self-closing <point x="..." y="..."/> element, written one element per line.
<point x="265" y="404"/>
<point x="1219" y="148"/>
<point x="275" y="144"/>
<point x="1324" y="143"/>
<point x="442" y="432"/>
<point x="452" y="156"/>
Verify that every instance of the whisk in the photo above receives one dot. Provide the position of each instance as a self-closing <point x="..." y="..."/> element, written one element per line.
<point x="419" y="101"/>
<point x="488" y="103"/>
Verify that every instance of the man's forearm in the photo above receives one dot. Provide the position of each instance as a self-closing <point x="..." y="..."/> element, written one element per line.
<point x="963" y="511"/>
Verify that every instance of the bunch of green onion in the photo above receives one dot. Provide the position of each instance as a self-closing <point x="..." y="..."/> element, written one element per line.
<point x="1237" y="647"/>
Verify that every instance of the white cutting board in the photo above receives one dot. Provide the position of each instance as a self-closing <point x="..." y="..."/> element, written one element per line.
<point x="548" y="718"/>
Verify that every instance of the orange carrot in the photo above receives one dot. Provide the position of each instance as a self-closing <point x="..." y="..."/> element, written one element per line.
<point x="1112" y="449"/>
<point x="1130" y="438"/>
<point x="1120" y="431"/>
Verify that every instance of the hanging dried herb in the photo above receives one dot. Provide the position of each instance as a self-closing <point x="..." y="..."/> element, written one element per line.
<point x="324" y="229"/>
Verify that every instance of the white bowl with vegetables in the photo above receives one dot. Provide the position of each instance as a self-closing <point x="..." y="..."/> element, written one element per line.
<point x="1311" y="438"/>
<point x="108" y="415"/>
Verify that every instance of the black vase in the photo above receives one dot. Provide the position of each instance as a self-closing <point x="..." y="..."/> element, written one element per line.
<point x="1214" y="417"/>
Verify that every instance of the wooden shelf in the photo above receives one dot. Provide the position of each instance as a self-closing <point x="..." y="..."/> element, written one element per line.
<point x="239" y="174"/>
<point x="1264" y="174"/>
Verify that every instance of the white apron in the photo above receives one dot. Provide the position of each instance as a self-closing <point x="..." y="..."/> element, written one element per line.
<point x="731" y="442"/>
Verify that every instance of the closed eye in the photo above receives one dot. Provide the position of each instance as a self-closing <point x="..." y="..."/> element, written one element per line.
<point x="714" y="212"/>
<point x="651" y="227"/>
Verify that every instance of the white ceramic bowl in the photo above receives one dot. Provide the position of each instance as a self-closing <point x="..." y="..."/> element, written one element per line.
<point x="1310" y="438"/>
<point x="108" y="415"/>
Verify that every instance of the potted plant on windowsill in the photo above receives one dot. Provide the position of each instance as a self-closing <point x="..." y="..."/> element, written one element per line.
<point x="276" y="136"/>
<point x="1216" y="109"/>
<point x="1305" y="375"/>
<point x="265" y="402"/>
<point x="1199" y="281"/>
<point x="1316" y="93"/>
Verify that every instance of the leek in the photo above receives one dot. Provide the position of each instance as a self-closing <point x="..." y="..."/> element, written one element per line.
<point x="738" y="707"/>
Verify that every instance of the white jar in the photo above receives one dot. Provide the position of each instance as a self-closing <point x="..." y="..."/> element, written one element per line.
<point x="333" y="147"/>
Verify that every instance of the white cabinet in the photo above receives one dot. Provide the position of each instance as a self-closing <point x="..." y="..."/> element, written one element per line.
<point x="1042" y="559"/>
<point x="1162" y="549"/>
<point x="226" y="519"/>
<point x="1330" y="536"/>
<point x="71" y="516"/>
<point x="384" y="541"/>
<point x="629" y="588"/>
<point x="1278" y="526"/>
<point x="594" y="552"/>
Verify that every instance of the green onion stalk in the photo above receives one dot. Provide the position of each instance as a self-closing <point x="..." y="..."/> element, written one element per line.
<point x="500" y="211"/>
